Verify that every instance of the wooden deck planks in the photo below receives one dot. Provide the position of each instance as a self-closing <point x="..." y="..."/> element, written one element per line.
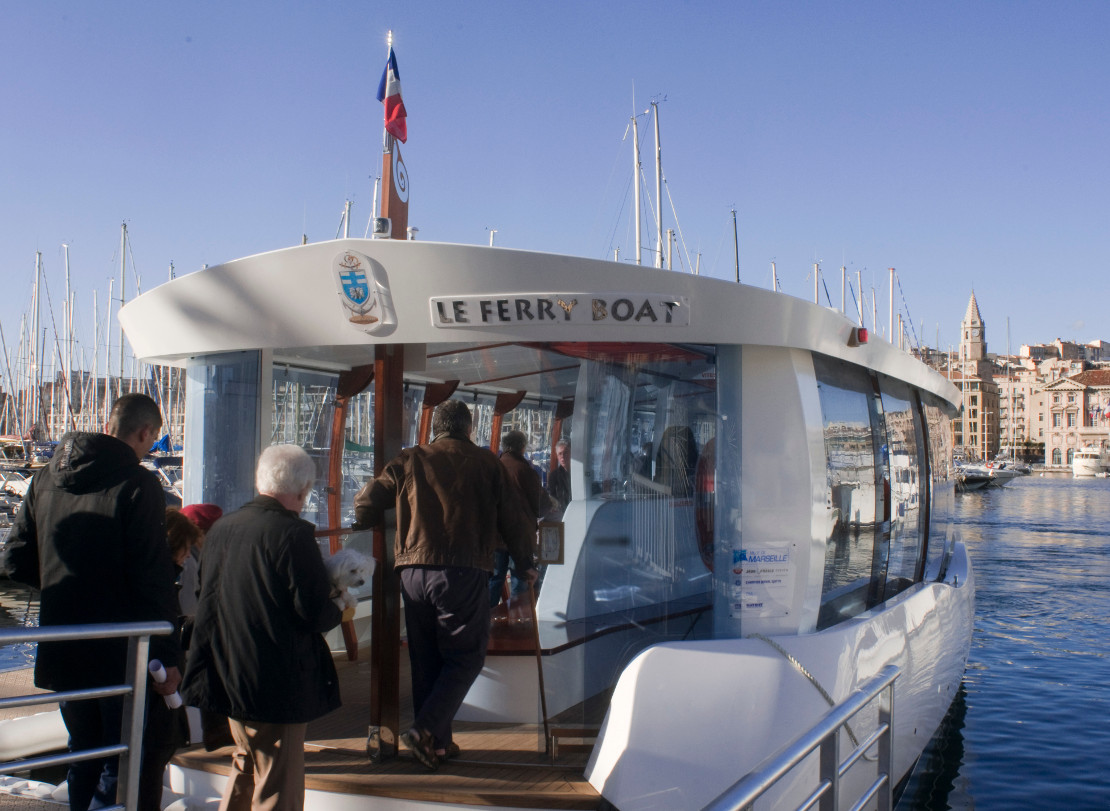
<point x="500" y="765"/>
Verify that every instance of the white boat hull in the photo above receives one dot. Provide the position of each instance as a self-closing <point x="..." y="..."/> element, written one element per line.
<point x="717" y="708"/>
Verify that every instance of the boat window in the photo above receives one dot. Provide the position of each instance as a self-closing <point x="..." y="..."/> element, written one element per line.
<point x="303" y="406"/>
<point x="904" y="451"/>
<point x="223" y="393"/>
<point x="938" y="548"/>
<point x="649" y="470"/>
<point x="855" y="489"/>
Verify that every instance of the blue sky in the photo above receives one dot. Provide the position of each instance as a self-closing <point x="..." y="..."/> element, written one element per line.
<point x="963" y="143"/>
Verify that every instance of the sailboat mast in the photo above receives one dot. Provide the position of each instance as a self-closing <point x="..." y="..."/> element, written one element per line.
<point x="67" y="357"/>
<point x="122" y="297"/>
<point x="35" y="368"/>
<point x="859" y="289"/>
<point x="108" y="352"/>
<point x="891" y="321"/>
<point x="636" y="178"/>
<point x="95" y="399"/>
<point x="658" y="190"/>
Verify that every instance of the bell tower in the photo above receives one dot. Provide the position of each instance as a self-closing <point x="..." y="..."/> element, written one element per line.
<point x="973" y="338"/>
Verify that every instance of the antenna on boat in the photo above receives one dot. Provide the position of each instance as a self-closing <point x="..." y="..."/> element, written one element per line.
<point x="736" y="245"/>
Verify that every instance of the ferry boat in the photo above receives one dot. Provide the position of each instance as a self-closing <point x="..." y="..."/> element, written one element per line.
<point x="760" y="522"/>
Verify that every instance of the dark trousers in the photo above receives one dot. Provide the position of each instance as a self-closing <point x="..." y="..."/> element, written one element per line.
<point x="91" y="724"/>
<point x="166" y="731"/>
<point x="447" y="621"/>
<point x="502" y="564"/>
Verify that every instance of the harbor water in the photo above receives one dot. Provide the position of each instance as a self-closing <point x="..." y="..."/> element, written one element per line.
<point x="1031" y="726"/>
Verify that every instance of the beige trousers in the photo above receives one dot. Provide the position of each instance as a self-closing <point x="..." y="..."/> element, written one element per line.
<point x="267" y="767"/>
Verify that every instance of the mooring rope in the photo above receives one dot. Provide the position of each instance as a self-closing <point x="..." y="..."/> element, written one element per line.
<point x="812" y="680"/>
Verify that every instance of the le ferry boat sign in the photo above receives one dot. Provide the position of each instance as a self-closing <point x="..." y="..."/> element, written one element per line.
<point x="560" y="308"/>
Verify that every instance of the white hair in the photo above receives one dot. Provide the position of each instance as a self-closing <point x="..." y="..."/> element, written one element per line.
<point x="284" y="470"/>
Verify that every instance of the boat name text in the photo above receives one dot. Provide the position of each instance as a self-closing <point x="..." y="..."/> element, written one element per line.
<point x="562" y="308"/>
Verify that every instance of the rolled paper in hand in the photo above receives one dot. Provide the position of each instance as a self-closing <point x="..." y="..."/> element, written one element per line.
<point x="158" y="673"/>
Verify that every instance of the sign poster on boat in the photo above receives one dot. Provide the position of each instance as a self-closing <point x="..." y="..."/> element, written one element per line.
<point x="762" y="582"/>
<point x="505" y="309"/>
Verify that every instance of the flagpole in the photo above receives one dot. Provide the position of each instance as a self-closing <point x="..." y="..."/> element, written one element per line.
<point x="387" y="139"/>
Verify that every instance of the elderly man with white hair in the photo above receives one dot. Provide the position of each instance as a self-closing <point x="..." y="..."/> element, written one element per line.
<point x="258" y="655"/>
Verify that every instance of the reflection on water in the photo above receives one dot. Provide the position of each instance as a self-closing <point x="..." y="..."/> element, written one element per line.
<point x="17" y="609"/>
<point x="1032" y="730"/>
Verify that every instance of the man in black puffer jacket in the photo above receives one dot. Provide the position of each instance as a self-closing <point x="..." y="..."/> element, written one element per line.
<point x="91" y="535"/>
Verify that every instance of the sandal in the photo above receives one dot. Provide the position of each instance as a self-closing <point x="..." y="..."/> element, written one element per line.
<point x="423" y="749"/>
<point x="450" y="752"/>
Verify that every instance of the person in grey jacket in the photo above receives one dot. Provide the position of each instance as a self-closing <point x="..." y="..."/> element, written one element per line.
<point x="257" y="653"/>
<point x="91" y="536"/>
<point x="455" y="504"/>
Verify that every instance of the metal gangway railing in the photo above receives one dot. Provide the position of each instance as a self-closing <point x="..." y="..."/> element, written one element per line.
<point x="133" y="691"/>
<point x="825" y="735"/>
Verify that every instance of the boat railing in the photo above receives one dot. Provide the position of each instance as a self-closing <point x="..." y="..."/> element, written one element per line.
<point x="133" y="691"/>
<point x="825" y="736"/>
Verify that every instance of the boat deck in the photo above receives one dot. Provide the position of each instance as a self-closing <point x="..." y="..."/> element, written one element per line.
<point x="500" y="764"/>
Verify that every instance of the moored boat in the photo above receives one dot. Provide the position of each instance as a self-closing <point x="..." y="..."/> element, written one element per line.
<point x="761" y="497"/>
<point x="1091" y="460"/>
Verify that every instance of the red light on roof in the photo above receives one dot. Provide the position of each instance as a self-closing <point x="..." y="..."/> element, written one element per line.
<point x="857" y="336"/>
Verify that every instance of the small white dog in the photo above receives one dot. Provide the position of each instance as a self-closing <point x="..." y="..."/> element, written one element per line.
<point x="348" y="569"/>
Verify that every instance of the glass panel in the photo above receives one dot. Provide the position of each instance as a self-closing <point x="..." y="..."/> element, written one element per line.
<point x="939" y="546"/>
<point x="222" y="414"/>
<point x="650" y="424"/>
<point x="536" y="422"/>
<point x="304" y="405"/>
<point x="856" y="487"/>
<point x="904" y="451"/>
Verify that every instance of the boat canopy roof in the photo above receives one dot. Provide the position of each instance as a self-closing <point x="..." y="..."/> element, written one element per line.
<point x="328" y="304"/>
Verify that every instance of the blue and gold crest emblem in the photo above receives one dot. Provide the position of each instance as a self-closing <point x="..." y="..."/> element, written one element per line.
<point x="356" y="288"/>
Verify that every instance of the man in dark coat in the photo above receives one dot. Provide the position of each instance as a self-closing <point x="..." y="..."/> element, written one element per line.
<point x="91" y="535"/>
<point x="533" y="500"/>
<point x="454" y="504"/>
<point x="558" y="482"/>
<point x="257" y="654"/>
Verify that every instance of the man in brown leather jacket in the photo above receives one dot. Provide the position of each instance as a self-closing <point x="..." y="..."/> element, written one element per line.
<point x="455" y="504"/>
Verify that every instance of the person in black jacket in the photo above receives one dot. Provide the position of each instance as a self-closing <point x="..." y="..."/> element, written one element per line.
<point x="91" y="535"/>
<point x="257" y="654"/>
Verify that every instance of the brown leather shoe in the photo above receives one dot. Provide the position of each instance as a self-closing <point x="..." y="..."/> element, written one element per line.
<point x="450" y="752"/>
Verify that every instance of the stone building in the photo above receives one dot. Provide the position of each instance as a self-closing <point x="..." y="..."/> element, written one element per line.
<point x="976" y="429"/>
<point x="1077" y="413"/>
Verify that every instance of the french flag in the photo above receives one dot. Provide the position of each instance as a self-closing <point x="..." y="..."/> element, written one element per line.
<point x="389" y="92"/>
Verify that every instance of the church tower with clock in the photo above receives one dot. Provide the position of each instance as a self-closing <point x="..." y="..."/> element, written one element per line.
<point x="976" y="428"/>
<point x="973" y="342"/>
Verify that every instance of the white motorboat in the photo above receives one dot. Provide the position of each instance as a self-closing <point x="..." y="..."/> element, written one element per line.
<point x="1090" y="460"/>
<point x="708" y="609"/>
